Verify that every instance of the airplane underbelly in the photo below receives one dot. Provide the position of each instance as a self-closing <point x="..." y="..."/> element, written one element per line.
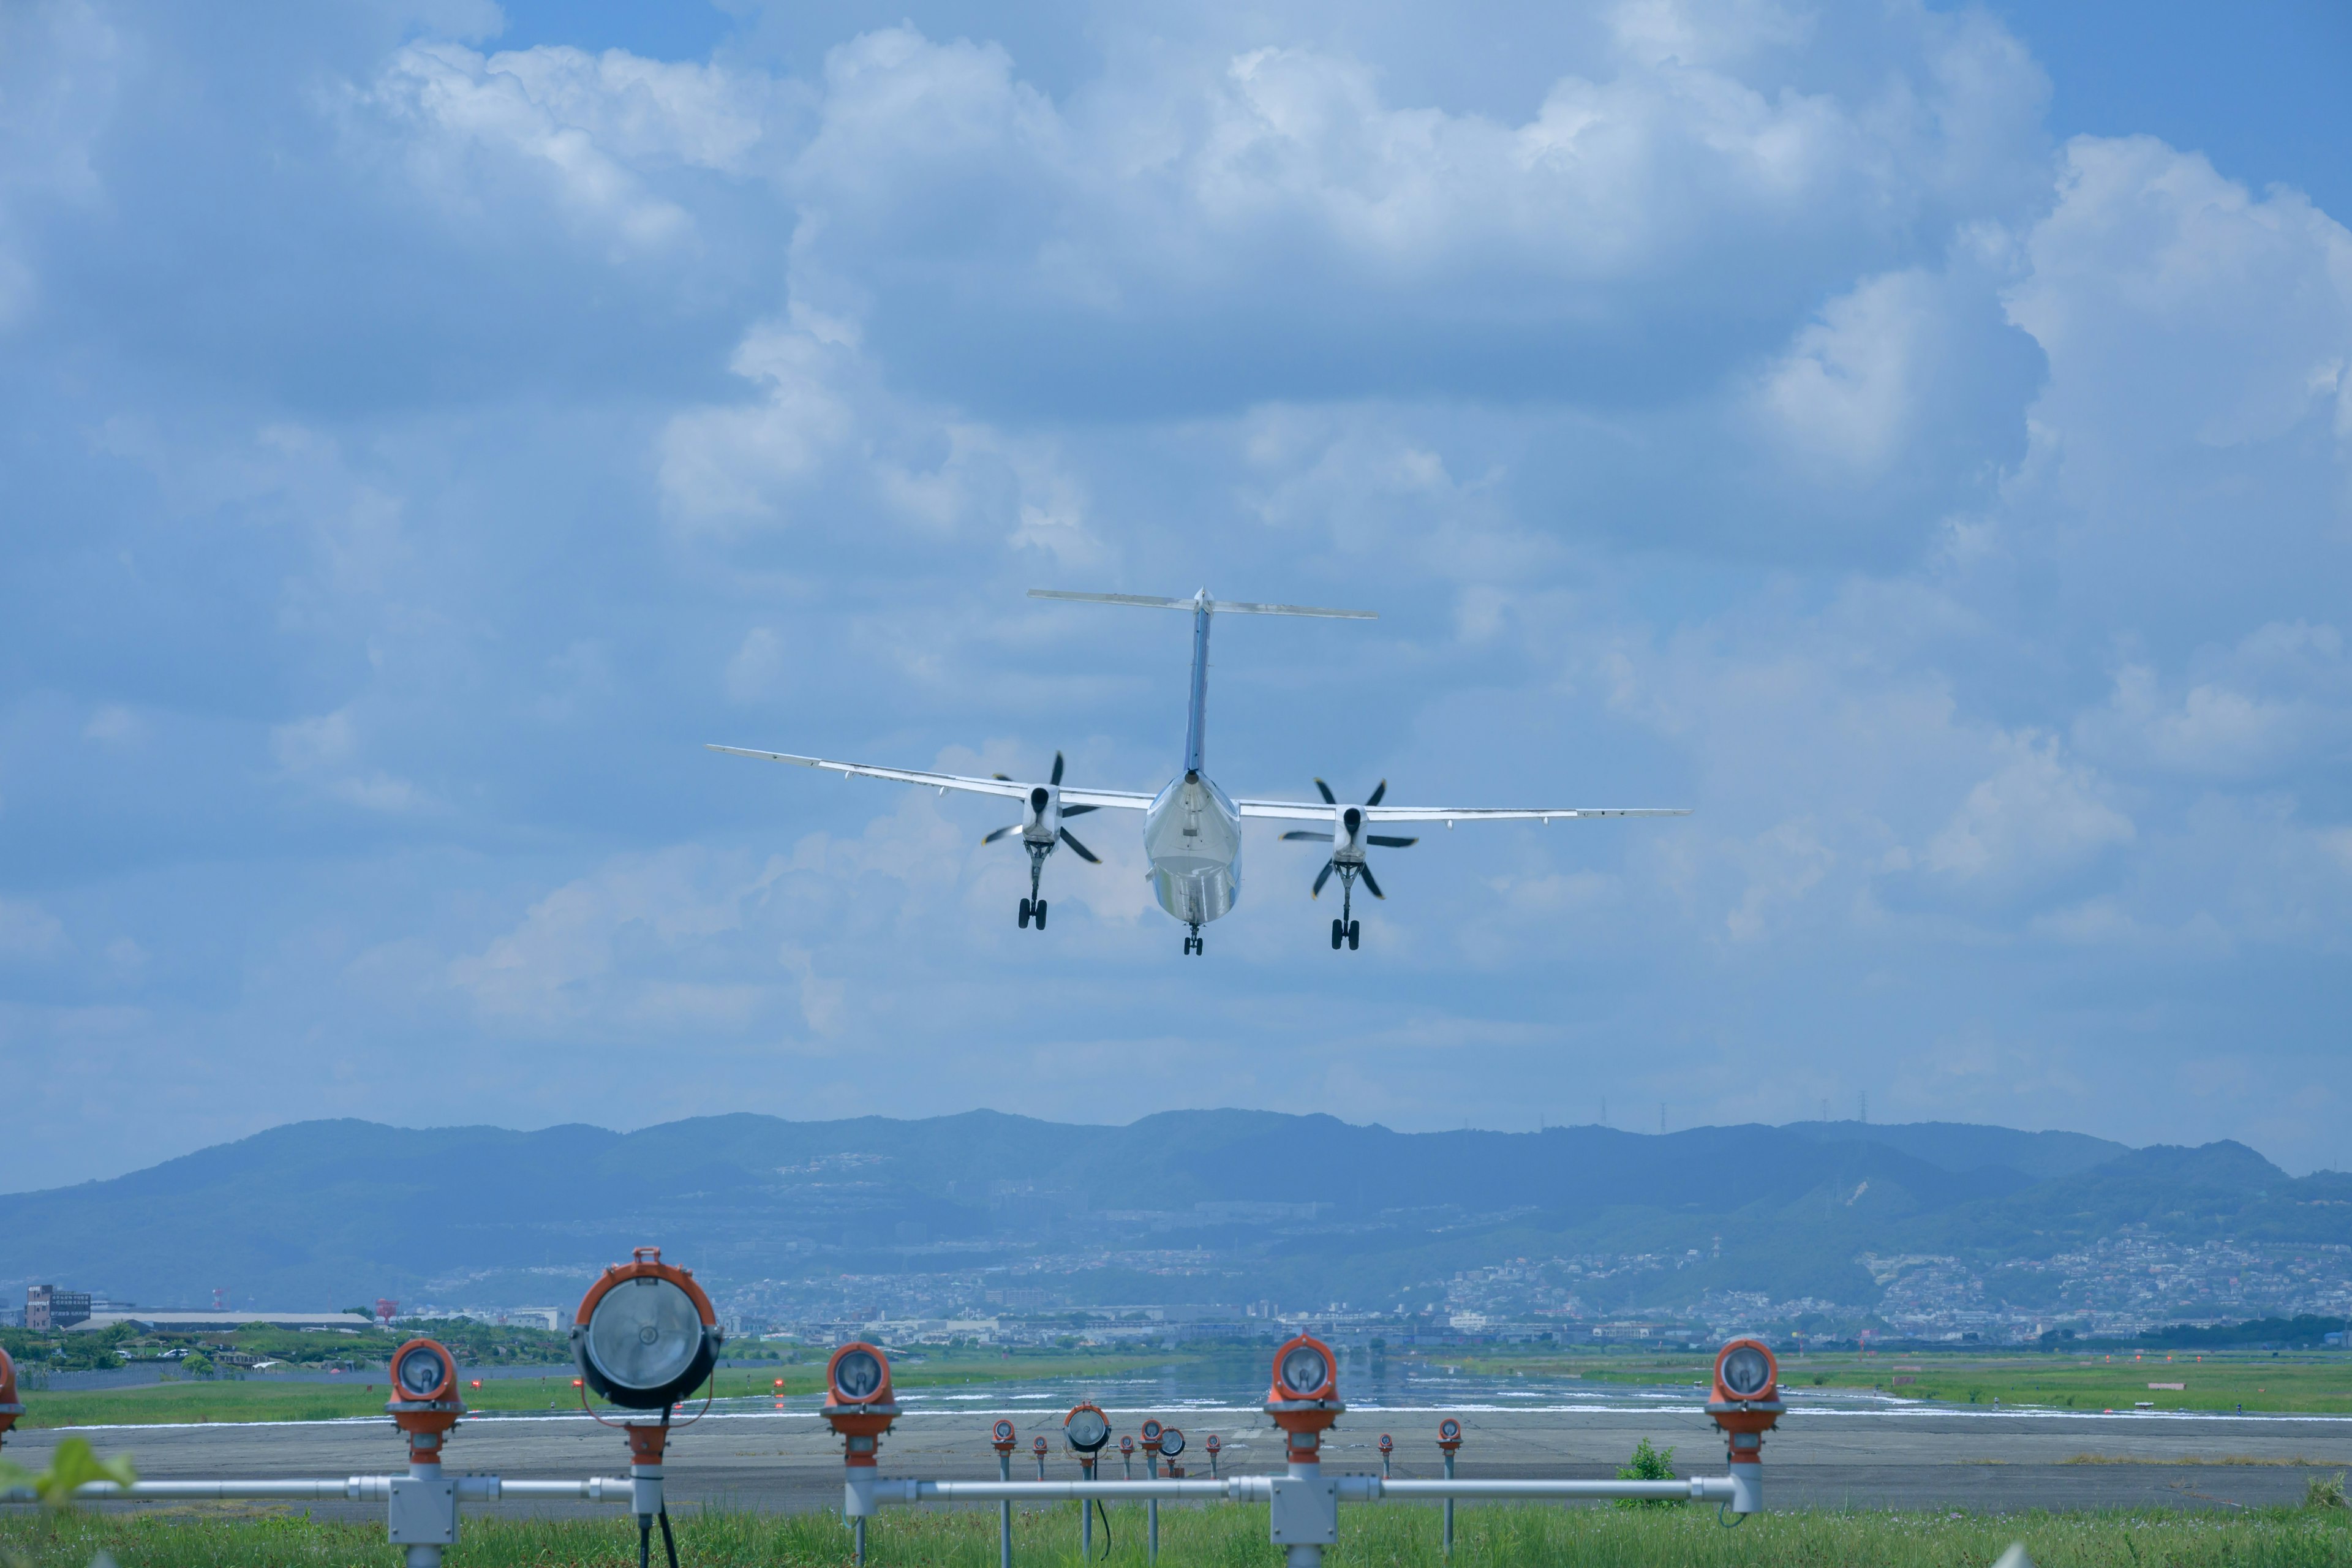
<point x="1193" y="838"/>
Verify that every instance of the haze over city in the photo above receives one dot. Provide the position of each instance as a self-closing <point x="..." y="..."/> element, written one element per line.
<point x="1917" y="439"/>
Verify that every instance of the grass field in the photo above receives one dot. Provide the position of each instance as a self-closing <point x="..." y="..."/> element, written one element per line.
<point x="259" y="1399"/>
<point x="2305" y="1384"/>
<point x="1232" y="1537"/>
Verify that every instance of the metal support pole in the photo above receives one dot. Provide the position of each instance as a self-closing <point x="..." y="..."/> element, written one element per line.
<point x="860" y="1558"/>
<point x="1151" y="1511"/>
<point x="1004" y="1519"/>
<point x="1449" y="1505"/>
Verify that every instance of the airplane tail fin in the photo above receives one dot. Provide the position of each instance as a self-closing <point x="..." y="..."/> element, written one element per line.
<point x="1196" y="717"/>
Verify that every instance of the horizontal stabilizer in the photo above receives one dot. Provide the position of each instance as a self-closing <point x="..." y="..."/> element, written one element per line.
<point x="1201" y="600"/>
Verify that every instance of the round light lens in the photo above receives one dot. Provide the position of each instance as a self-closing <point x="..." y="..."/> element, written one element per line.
<point x="421" y="1374"/>
<point x="1086" y="1430"/>
<point x="1152" y="1431"/>
<point x="1003" y="1430"/>
<point x="1746" y="1372"/>
<point x="1449" y="1430"/>
<point x="1172" y="1442"/>
<point x="1304" y="1372"/>
<point x="644" y="1333"/>
<point x="857" y="1376"/>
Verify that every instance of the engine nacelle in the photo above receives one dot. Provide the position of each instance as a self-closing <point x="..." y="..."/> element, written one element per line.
<point x="1348" y="833"/>
<point x="1045" y="814"/>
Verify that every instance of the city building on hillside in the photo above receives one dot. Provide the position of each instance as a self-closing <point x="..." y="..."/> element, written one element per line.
<point x="166" y="1322"/>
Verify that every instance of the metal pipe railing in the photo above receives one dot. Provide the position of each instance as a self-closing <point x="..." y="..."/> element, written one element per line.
<point x="351" y="1489"/>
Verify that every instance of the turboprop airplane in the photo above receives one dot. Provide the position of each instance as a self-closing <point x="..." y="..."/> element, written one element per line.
<point x="1191" y="828"/>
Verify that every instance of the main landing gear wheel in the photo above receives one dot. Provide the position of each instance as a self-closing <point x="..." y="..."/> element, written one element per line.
<point x="1038" y="909"/>
<point x="1026" y="909"/>
<point x="1338" y="932"/>
<point x="1355" y="930"/>
<point x="1033" y="909"/>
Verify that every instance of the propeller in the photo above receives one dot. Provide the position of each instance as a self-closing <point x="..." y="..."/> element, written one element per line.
<point x="1357" y="868"/>
<point x="1063" y="834"/>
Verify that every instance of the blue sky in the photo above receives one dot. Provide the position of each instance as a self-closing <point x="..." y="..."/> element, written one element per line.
<point x="1918" y="439"/>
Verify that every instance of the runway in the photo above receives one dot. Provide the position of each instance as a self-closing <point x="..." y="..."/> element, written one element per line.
<point x="1915" y="1457"/>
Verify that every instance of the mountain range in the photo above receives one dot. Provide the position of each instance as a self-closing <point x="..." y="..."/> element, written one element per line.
<point x="324" y="1214"/>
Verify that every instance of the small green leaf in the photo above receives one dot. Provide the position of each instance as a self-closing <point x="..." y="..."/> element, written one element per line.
<point x="74" y="1465"/>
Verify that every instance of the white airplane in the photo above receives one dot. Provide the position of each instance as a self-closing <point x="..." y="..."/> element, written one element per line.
<point x="1191" y="828"/>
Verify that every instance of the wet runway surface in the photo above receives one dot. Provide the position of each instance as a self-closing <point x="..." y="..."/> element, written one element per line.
<point x="1821" y="1458"/>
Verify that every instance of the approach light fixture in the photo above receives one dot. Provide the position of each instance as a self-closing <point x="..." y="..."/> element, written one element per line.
<point x="1746" y="1405"/>
<point x="1305" y="1398"/>
<point x="1449" y="1433"/>
<point x="1001" y="1435"/>
<point x="1086" y="1430"/>
<point x="425" y="1403"/>
<point x="1149" y="1432"/>
<point x="1172" y="1442"/>
<point x="861" y="1404"/>
<point x="1212" y="1448"/>
<point x="646" y="1334"/>
<point x="10" y="1407"/>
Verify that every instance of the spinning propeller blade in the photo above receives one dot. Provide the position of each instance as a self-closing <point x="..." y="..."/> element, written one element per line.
<point x="1302" y="833"/>
<point x="1056" y="780"/>
<point x="1083" y="853"/>
<point x="1078" y="810"/>
<point x="1328" y="798"/>
<point x="1380" y="790"/>
<point x="1365" y="871"/>
<point x="1322" y="877"/>
<point x="1001" y="833"/>
<point x="1385" y="842"/>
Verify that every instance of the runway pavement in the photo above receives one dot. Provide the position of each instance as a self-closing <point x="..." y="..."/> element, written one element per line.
<point x="1915" y="1457"/>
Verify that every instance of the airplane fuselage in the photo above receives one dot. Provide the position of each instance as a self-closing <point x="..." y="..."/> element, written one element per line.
<point x="1192" y="836"/>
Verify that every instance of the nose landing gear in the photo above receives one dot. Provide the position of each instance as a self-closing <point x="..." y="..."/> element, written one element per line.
<point x="1346" y="930"/>
<point x="1192" y="944"/>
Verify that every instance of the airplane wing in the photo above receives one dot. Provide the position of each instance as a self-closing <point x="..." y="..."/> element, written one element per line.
<point x="1014" y="789"/>
<point x="1321" y="811"/>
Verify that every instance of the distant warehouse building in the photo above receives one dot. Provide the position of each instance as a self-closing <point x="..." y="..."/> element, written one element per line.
<point x="162" y="1322"/>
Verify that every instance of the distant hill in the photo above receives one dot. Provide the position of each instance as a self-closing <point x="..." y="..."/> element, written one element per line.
<point x="1964" y="1146"/>
<point x="330" y="1213"/>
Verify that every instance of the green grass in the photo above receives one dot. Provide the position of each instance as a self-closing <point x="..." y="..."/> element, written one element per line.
<point x="1232" y="1536"/>
<point x="257" y="1399"/>
<point x="2305" y="1384"/>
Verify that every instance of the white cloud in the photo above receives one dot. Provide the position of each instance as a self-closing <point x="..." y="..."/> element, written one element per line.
<point x="28" y="932"/>
<point x="324" y="753"/>
<point x="588" y="130"/>
<point x="2035" y="817"/>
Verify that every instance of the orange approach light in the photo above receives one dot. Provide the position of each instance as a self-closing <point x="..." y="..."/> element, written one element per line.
<point x="1449" y="1433"/>
<point x="1001" y="1435"/>
<point x="1086" y="1430"/>
<point x="1746" y="1401"/>
<point x="646" y="1334"/>
<point x="10" y="1408"/>
<point x="1305" y="1398"/>
<point x="425" y="1403"/>
<point x="860" y="1404"/>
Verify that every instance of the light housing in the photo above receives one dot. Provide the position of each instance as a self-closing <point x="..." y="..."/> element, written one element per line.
<point x="1305" y="1398"/>
<point x="1149" y="1432"/>
<point x="646" y="1335"/>
<point x="423" y="1370"/>
<point x="1746" y="1401"/>
<point x="1001" y="1435"/>
<point x="10" y="1408"/>
<point x="1172" y="1442"/>
<point x="1086" y="1430"/>
<point x="423" y="1402"/>
<point x="1449" y="1433"/>
<point x="860" y="1404"/>
<point x="1388" y="1444"/>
